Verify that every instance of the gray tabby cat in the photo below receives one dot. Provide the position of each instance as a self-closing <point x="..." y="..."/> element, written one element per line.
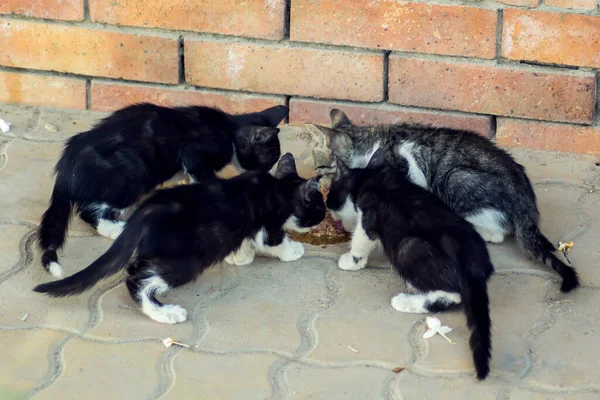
<point x="476" y="179"/>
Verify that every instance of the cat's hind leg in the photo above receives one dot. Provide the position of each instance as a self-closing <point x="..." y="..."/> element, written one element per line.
<point x="144" y="288"/>
<point x="489" y="223"/>
<point x="434" y="301"/>
<point x="104" y="219"/>
<point x="276" y="243"/>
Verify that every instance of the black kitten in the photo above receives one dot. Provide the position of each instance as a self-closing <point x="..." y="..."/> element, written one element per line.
<point x="177" y="233"/>
<point x="437" y="253"/>
<point x="476" y="179"/>
<point x="107" y="169"/>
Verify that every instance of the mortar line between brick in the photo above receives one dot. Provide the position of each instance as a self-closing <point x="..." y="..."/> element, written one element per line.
<point x="88" y="94"/>
<point x="86" y="10"/>
<point x="287" y="104"/>
<point x="181" y="59"/>
<point x="493" y="127"/>
<point x="597" y="97"/>
<point x="499" y="26"/>
<point x="386" y="75"/>
<point x="287" y="19"/>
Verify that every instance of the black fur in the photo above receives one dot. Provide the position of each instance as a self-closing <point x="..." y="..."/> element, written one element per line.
<point x="136" y="148"/>
<point x="465" y="170"/>
<point x="429" y="245"/>
<point x="177" y="233"/>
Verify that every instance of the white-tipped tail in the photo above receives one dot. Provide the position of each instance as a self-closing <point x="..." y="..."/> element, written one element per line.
<point x="56" y="270"/>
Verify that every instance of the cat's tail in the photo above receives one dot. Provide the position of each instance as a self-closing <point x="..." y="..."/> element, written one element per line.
<point x="476" y="306"/>
<point x="109" y="263"/>
<point x="531" y="239"/>
<point x="53" y="228"/>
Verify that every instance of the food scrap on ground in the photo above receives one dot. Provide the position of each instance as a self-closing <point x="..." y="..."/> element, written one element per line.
<point x="434" y="326"/>
<point x="168" y="342"/>
<point x="565" y="247"/>
<point x="4" y="126"/>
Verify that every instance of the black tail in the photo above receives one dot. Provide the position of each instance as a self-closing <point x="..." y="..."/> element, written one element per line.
<point x="476" y="304"/>
<point x="55" y="221"/>
<point x="531" y="239"/>
<point x="109" y="263"/>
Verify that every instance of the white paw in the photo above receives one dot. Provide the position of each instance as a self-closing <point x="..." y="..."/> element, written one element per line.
<point x="292" y="251"/>
<point x="229" y="258"/>
<point x="491" y="237"/>
<point x="170" y="314"/>
<point x="348" y="263"/>
<point x="56" y="270"/>
<point x="409" y="303"/>
<point x="110" y="229"/>
<point x="243" y="258"/>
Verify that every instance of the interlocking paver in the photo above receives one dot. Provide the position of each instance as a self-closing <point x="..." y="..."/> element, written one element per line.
<point x="362" y="312"/>
<point x="516" y="305"/>
<point x="565" y="354"/>
<point x="97" y="371"/>
<point x="25" y="358"/>
<point x="232" y="376"/>
<point x="313" y="382"/>
<point x="267" y="291"/>
<point x="288" y="330"/>
<point x="71" y="313"/>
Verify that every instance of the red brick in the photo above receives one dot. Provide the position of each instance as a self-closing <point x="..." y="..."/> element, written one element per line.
<point x="286" y="70"/>
<point x="112" y="96"/>
<point x="546" y="136"/>
<point x="317" y="112"/>
<point x="569" y="39"/>
<point x="88" y="52"/>
<point x="68" y="10"/>
<point x="573" y="4"/>
<point x="521" y="3"/>
<point x="253" y="18"/>
<point x="50" y="91"/>
<point x="418" y="27"/>
<point x="496" y="90"/>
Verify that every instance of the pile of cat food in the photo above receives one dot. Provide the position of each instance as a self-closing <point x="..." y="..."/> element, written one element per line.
<point x="327" y="232"/>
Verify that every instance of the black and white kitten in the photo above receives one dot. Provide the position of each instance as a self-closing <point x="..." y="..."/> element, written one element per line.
<point x="477" y="180"/>
<point x="177" y="233"/>
<point x="107" y="169"/>
<point x="437" y="253"/>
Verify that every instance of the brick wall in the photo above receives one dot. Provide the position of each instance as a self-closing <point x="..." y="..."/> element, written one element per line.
<point x="523" y="72"/>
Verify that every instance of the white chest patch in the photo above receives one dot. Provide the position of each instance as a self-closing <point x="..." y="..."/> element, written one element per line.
<point x="415" y="173"/>
<point x="347" y="214"/>
<point x="361" y="160"/>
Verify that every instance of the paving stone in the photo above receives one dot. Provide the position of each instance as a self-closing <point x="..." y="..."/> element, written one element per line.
<point x="415" y="387"/>
<point x="313" y="382"/>
<point x="25" y="359"/>
<point x="66" y="122"/>
<point x="118" y="309"/>
<point x="236" y="376"/>
<point x="21" y="118"/>
<point x="516" y="305"/>
<point x="10" y="239"/>
<point x="550" y="165"/>
<point x="106" y="371"/>
<point x="70" y="313"/>
<point x="585" y="255"/>
<point x="263" y="309"/>
<point x="27" y="176"/>
<point x="564" y="354"/>
<point x="520" y="394"/>
<point x="362" y="318"/>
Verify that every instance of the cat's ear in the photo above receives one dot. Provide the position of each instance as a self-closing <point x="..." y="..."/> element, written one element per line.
<point x="274" y="115"/>
<point x="339" y="119"/>
<point x="339" y="142"/>
<point x="309" y="188"/>
<point x="286" y="167"/>
<point x="263" y="134"/>
<point x="341" y="170"/>
<point x="378" y="160"/>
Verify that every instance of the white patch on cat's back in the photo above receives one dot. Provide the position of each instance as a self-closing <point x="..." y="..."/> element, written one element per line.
<point x="347" y="214"/>
<point x="488" y="222"/>
<point x="415" y="174"/>
<point x="361" y="160"/>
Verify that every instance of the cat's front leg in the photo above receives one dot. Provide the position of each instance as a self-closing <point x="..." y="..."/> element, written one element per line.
<point x="362" y="245"/>
<point x="277" y="244"/>
<point x="242" y="256"/>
